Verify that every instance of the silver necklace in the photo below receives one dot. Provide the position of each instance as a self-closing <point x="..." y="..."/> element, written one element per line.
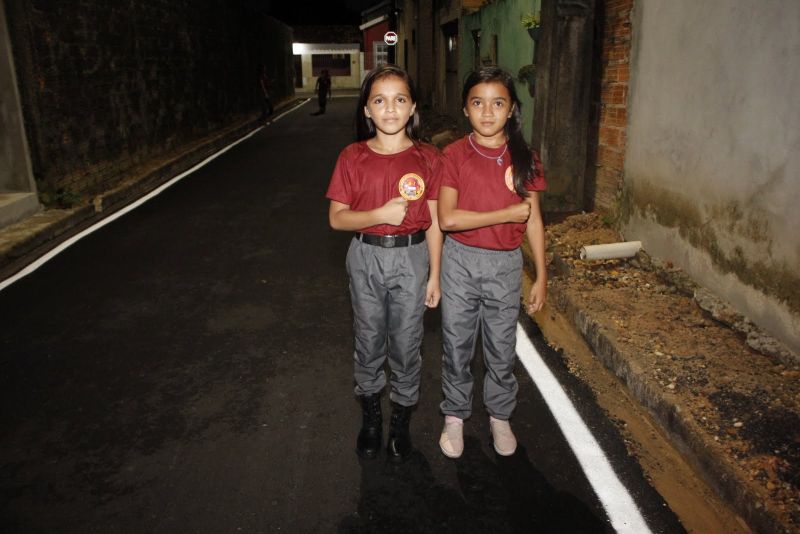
<point x="499" y="158"/>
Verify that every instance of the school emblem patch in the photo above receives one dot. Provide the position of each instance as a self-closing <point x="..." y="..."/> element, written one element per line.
<point x="411" y="186"/>
<point x="510" y="179"/>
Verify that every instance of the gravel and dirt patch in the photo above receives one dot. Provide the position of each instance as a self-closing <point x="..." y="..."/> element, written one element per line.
<point x="733" y="409"/>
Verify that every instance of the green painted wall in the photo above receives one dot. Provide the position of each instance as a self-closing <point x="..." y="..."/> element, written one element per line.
<point x="515" y="47"/>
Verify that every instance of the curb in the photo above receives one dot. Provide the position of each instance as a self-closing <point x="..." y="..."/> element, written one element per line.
<point x="682" y="430"/>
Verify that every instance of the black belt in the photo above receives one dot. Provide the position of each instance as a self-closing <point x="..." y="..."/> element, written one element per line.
<point x="391" y="241"/>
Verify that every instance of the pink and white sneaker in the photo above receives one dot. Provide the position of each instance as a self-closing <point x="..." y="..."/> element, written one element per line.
<point x="504" y="441"/>
<point x="452" y="440"/>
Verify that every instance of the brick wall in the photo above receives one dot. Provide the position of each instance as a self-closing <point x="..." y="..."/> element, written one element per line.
<point x="613" y="97"/>
<point x="107" y="86"/>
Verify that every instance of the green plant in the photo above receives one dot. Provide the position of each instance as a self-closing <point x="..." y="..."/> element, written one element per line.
<point x="608" y="219"/>
<point x="60" y="198"/>
<point x="527" y="74"/>
<point x="530" y="20"/>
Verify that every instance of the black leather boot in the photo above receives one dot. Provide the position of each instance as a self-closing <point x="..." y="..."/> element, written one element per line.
<point x="399" y="445"/>
<point x="370" y="437"/>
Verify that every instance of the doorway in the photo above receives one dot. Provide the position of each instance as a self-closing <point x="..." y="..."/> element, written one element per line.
<point x="298" y="71"/>
<point x="452" y="85"/>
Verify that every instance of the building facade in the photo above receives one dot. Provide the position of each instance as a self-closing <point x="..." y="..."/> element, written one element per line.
<point x="336" y="49"/>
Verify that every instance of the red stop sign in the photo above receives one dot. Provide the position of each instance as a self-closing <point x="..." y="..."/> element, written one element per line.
<point x="390" y="38"/>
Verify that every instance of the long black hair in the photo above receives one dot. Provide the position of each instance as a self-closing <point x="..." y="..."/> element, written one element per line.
<point x="521" y="156"/>
<point x="365" y="128"/>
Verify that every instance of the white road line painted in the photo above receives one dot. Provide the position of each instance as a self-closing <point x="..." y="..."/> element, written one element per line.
<point x="619" y="505"/>
<point x="31" y="267"/>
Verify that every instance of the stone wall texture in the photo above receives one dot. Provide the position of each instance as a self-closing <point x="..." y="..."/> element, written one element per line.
<point x="107" y="86"/>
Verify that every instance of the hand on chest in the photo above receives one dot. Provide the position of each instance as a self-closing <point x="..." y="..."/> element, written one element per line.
<point x="408" y="181"/>
<point x="487" y="183"/>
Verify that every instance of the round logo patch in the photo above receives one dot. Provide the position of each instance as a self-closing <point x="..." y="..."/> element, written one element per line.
<point x="411" y="186"/>
<point x="510" y="179"/>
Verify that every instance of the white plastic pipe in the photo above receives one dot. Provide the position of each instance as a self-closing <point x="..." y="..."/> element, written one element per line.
<point x="626" y="249"/>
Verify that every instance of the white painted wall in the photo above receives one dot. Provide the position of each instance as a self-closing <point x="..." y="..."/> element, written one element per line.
<point x="337" y="82"/>
<point x="712" y="167"/>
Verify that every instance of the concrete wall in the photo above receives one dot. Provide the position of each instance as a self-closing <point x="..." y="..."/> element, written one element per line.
<point x="515" y="47"/>
<point x="713" y="154"/>
<point x="415" y="47"/>
<point x="407" y="55"/>
<point x="15" y="171"/>
<point x="18" y="197"/>
<point x="108" y="86"/>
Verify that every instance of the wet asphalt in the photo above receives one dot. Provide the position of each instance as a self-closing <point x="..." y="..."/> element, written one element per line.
<point x="188" y="368"/>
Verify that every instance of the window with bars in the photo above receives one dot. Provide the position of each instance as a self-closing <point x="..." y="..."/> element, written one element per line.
<point x="380" y="51"/>
<point x="337" y="64"/>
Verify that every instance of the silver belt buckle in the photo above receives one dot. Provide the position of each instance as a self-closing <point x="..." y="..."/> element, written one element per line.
<point x="387" y="241"/>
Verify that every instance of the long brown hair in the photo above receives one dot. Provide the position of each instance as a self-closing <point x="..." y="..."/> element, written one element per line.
<point x="521" y="156"/>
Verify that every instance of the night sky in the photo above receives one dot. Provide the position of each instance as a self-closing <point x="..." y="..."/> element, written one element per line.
<point x="298" y="12"/>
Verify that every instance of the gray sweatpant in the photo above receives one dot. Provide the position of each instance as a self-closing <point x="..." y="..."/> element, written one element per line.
<point x="387" y="291"/>
<point x="480" y="291"/>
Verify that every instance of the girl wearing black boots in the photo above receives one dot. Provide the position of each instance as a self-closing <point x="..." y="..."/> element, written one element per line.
<point x="384" y="188"/>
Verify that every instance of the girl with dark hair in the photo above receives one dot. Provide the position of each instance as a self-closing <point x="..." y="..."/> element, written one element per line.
<point x="384" y="188"/>
<point x="487" y="202"/>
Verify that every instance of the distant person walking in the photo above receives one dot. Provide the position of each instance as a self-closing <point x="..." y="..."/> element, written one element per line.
<point x="323" y="89"/>
<point x="265" y="82"/>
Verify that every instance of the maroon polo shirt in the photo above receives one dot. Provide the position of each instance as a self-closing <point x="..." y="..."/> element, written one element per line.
<point x="483" y="185"/>
<point x="365" y="180"/>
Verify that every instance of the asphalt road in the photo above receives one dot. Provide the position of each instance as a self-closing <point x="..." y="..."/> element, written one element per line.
<point x="188" y="368"/>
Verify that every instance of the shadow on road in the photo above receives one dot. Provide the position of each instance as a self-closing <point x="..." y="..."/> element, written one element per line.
<point x="503" y="494"/>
